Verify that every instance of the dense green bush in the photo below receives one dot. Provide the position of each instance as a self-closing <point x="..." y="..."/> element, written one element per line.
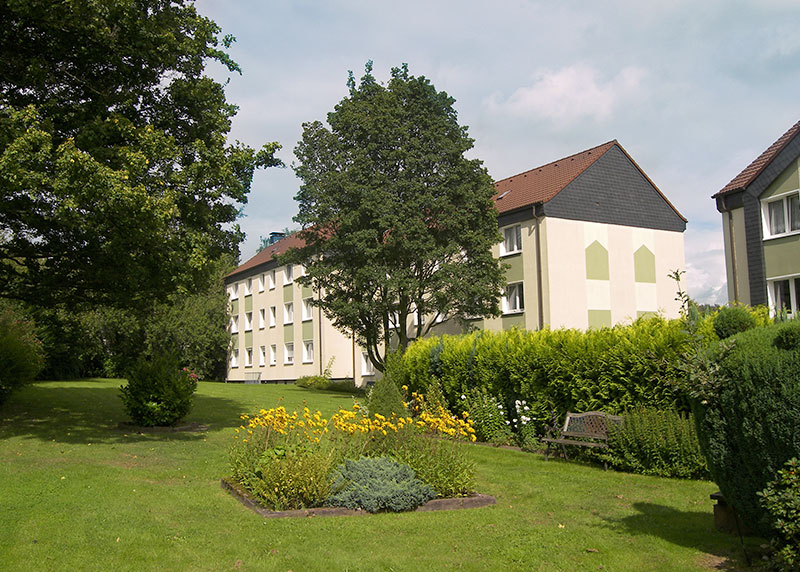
<point x="487" y="415"/>
<point x="377" y="483"/>
<point x="732" y="320"/>
<point x="653" y="442"/>
<point x="385" y="398"/>
<point x="788" y="336"/>
<point x="781" y="499"/>
<point x="158" y="392"/>
<point x="611" y="369"/>
<point x="21" y="355"/>
<point x="747" y="410"/>
<point x="322" y="383"/>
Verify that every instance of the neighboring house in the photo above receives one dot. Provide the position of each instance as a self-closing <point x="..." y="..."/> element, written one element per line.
<point x="761" y="227"/>
<point x="589" y="241"/>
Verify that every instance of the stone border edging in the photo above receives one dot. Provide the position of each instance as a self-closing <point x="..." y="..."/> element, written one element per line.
<point x="475" y="501"/>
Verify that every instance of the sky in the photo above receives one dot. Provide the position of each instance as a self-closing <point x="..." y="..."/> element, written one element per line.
<point x="693" y="90"/>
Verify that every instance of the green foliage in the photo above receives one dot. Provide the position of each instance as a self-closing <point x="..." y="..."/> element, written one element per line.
<point x="158" y="392"/>
<point x="118" y="183"/>
<point x="397" y="221"/>
<point x="486" y="413"/>
<point x="21" y="356"/>
<point x="748" y="415"/>
<point x="611" y="369"/>
<point x="385" y="398"/>
<point x="732" y="320"/>
<point x="653" y="442"/>
<point x="443" y="464"/>
<point x="322" y="383"/>
<point x="704" y="326"/>
<point x="378" y="483"/>
<point x="286" y="478"/>
<point x="788" y="336"/>
<point x="781" y="499"/>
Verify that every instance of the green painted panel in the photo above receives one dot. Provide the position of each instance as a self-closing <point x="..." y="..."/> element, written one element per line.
<point x="782" y="256"/>
<point x="248" y="339"/>
<point x="235" y="307"/>
<point x="307" y="291"/>
<point x="787" y="181"/>
<point x="596" y="262"/>
<point x="248" y="303"/>
<point x="514" y="271"/>
<point x="235" y="341"/>
<point x="308" y="330"/>
<point x="288" y="293"/>
<point x="644" y="265"/>
<point x="645" y="314"/>
<point x="599" y="318"/>
<point x="513" y="321"/>
<point x="288" y="333"/>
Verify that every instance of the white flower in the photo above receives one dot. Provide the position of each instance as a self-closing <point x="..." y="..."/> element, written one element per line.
<point x="508" y="422"/>
<point x="515" y="420"/>
<point x="463" y="396"/>
<point x="526" y="408"/>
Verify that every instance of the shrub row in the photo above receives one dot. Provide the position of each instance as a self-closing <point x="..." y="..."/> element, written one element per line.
<point x="21" y="355"/>
<point x="611" y="369"/>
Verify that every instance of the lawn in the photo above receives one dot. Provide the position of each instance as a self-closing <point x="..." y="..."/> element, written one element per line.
<point x="81" y="492"/>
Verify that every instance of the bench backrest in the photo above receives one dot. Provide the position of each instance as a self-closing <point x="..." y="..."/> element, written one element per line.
<point x="592" y="424"/>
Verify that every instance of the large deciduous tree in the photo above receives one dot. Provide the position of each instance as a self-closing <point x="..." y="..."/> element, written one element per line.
<point x="396" y="221"/>
<point x="117" y="183"/>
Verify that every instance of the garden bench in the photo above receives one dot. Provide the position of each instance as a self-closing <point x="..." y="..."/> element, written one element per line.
<point x="588" y="429"/>
<point x="252" y="377"/>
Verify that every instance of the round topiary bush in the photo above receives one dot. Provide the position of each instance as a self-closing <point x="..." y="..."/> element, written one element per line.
<point x="733" y="320"/>
<point x="159" y="392"/>
<point x="748" y="418"/>
<point x="788" y="336"/>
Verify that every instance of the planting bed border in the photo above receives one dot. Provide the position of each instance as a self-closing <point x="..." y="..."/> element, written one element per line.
<point x="474" y="501"/>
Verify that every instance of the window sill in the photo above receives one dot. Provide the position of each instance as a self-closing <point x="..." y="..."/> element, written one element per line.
<point x="510" y="253"/>
<point x="307" y="362"/>
<point x="782" y="235"/>
<point x="514" y="312"/>
<point x="307" y="319"/>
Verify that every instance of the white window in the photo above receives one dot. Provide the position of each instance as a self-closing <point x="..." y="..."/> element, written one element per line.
<point x="514" y="299"/>
<point x="307" y="309"/>
<point x="784" y="295"/>
<point x="262" y="356"/>
<point x="418" y="318"/>
<point x="248" y="286"/>
<point x="394" y="320"/>
<point x="234" y="324"/>
<point x="234" y="292"/>
<point x="261" y="281"/>
<point x="512" y="240"/>
<point x="234" y="358"/>
<point x="781" y="215"/>
<point x="248" y="321"/>
<point x="273" y="354"/>
<point x="367" y="368"/>
<point x="248" y="357"/>
<point x="308" y="351"/>
<point x="288" y="274"/>
<point x="271" y="279"/>
<point x="262" y="318"/>
<point x="288" y="353"/>
<point x="273" y="316"/>
<point x="288" y="313"/>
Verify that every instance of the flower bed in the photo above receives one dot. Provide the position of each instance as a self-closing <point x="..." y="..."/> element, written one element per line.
<point x="287" y="460"/>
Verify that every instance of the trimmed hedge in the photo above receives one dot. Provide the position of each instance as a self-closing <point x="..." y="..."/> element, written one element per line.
<point x="611" y="369"/>
<point x="748" y="416"/>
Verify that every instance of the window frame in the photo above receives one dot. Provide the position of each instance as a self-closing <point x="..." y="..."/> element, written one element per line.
<point x="234" y="325"/>
<point x="248" y="321"/>
<point x="308" y="351"/>
<point x="262" y="318"/>
<point x="518" y="295"/>
<point x="262" y="356"/>
<point x="793" y="286"/>
<point x="288" y="312"/>
<point x="367" y="367"/>
<point x="271" y="280"/>
<point x="273" y="316"/>
<point x="790" y="219"/>
<point x="288" y="274"/>
<point x="234" y="363"/>
<point x="516" y="229"/>
<point x="288" y="353"/>
<point x="308" y="309"/>
<point x="273" y="354"/>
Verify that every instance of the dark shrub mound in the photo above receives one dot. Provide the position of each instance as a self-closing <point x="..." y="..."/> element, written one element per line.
<point x="158" y="391"/>
<point x="788" y="336"/>
<point x="749" y="418"/>
<point x="378" y="483"/>
<point x="733" y="320"/>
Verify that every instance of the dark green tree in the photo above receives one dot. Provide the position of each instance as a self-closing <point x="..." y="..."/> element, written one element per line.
<point x="117" y="183"/>
<point x="396" y="220"/>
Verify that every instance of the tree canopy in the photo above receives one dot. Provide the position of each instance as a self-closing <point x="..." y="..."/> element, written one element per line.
<point x="118" y="184"/>
<point x="396" y="221"/>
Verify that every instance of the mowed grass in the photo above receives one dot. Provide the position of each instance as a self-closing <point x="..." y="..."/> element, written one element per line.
<point x="78" y="491"/>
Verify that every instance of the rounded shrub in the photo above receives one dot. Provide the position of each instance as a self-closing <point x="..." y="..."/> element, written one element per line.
<point x="378" y="483"/>
<point x="21" y="354"/>
<point x="159" y="393"/>
<point x="781" y="499"/>
<point x="732" y="320"/>
<point x="788" y="336"/>
<point x="385" y="398"/>
<point x="748" y="418"/>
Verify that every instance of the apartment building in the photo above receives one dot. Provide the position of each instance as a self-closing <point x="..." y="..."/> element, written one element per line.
<point x="588" y="240"/>
<point x="760" y="210"/>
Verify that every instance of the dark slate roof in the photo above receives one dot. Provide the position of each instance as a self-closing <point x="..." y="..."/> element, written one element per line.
<point x="754" y="169"/>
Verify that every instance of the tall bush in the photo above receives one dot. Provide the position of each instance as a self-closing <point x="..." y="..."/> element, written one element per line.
<point x="748" y="416"/>
<point x="21" y="355"/>
<point x="158" y="392"/>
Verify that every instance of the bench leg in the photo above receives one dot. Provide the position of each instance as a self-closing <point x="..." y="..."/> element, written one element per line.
<point x="564" y="450"/>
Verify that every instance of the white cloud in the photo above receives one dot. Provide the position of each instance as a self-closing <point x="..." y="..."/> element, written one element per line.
<point x="705" y="265"/>
<point x="573" y="93"/>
